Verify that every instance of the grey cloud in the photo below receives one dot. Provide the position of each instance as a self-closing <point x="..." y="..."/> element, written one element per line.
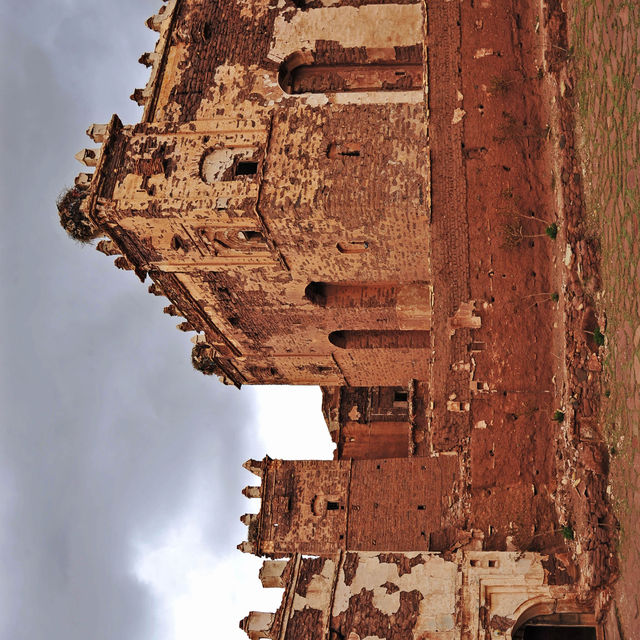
<point x="106" y="432"/>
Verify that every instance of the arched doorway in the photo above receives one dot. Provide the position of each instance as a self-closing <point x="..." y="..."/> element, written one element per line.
<point x="556" y="626"/>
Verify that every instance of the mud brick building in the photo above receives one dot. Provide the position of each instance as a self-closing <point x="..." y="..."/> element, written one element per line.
<point x="348" y="193"/>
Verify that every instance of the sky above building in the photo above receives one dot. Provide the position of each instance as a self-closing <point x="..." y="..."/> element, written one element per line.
<point x="120" y="466"/>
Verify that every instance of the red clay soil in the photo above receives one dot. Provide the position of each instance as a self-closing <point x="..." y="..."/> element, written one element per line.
<point x="605" y="47"/>
<point x="501" y="179"/>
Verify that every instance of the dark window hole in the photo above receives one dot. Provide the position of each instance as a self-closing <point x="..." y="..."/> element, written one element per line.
<point x="246" y="168"/>
<point x="401" y="396"/>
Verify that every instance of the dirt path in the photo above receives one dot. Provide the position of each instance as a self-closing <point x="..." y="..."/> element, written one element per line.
<point x="605" y="52"/>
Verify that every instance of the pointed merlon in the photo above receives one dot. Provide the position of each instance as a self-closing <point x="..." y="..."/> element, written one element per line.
<point x="88" y="157"/>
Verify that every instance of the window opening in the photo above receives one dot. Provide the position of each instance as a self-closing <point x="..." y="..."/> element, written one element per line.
<point x="250" y="236"/>
<point x="178" y="244"/>
<point x="246" y="168"/>
<point x="332" y="506"/>
<point x="353" y="247"/>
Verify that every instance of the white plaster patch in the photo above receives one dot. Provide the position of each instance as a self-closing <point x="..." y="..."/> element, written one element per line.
<point x="315" y="99"/>
<point x="367" y="26"/>
<point x="434" y="579"/>
<point x="458" y="114"/>
<point x="378" y="97"/>
<point x="318" y="590"/>
<point x="568" y="254"/>
<point x="483" y="53"/>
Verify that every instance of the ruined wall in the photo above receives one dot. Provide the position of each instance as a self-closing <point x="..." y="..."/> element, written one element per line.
<point x="318" y="506"/>
<point x="236" y="192"/>
<point x="407" y="596"/>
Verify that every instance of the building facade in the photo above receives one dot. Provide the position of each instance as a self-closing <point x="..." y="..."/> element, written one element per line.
<point x="345" y="193"/>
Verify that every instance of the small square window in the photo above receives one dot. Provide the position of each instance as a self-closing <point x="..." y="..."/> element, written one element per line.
<point x="246" y="168"/>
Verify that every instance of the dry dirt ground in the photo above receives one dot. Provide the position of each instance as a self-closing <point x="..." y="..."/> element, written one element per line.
<point x="604" y="52"/>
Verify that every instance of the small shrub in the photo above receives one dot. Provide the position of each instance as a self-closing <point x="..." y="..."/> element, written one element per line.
<point x="558" y="415"/>
<point x="567" y="532"/>
<point x="552" y="230"/>
<point x="72" y="218"/>
<point x="598" y="337"/>
<point x="607" y="393"/>
<point x="203" y="359"/>
<point x="555" y="297"/>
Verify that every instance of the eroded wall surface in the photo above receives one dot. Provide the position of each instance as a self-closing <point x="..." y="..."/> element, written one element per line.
<point x="280" y="148"/>
<point x="405" y="596"/>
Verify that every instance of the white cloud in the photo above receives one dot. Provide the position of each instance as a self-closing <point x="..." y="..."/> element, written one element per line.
<point x="203" y="595"/>
<point x="290" y="423"/>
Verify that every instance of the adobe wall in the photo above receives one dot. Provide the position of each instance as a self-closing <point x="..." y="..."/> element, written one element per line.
<point x="318" y="506"/>
<point x="404" y="596"/>
<point x="235" y="196"/>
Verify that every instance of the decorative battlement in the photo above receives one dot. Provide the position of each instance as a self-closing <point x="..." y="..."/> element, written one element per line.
<point x="252" y="492"/>
<point x="257" y="625"/>
<point x="256" y="466"/>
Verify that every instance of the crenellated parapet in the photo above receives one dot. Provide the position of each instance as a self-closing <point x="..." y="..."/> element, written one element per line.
<point x="258" y="625"/>
<point x="163" y="23"/>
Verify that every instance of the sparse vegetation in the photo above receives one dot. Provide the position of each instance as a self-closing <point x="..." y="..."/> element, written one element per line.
<point x="552" y="230"/>
<point x="567" y="532"/>
<point x="541" y="296"/>
<point x="203" y="359"/>
<point x="513" y="231"/>
<point x="558" y="415"/>
<point x="72" y="218"/>
<point x="598" y="337"/>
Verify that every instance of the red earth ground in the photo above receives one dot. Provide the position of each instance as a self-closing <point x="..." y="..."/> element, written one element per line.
<point x="604" y="49"/>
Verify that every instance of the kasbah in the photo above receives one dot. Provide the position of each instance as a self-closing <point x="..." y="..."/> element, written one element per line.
<point x="348" y="193"/>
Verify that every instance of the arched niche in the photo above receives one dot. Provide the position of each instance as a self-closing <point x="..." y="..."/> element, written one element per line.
<point x="549" y="620"/>
<point x="376" y="339"/>
<point x="300" y="73"/>
<point x="351" y="295"/>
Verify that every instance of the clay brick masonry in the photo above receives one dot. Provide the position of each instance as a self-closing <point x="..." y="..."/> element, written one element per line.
<point x="353" y="194"/>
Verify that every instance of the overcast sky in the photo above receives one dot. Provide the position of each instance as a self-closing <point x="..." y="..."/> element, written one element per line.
<point x="120" y="472"/>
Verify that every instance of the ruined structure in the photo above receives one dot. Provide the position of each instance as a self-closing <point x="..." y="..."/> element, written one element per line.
<point x="350" y="193"/>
